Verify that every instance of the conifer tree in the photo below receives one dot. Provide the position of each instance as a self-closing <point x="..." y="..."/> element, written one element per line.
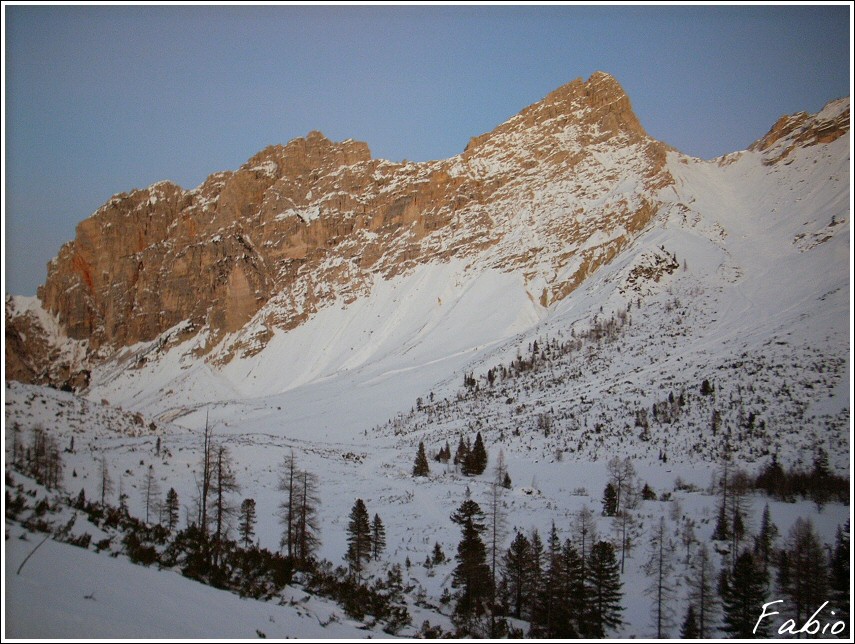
<point x="515" y="568"/>
<point x="476" y="459"/>
<point x="609" y="501"/>
<point x="552" y="601"/>
<point x="604" y="589"/>
<point x="358" y="538"/>
<point x="764" y="542"/>
<point x="438" y="554"/>
<point x="247" y="522"/>
<point x="378" y="537"/>
<point x="171" y="508"/>
<point x="689" y="629"/>
<point x="535" y="574"/>
<point x="506" y="481"/>
<point x="702" y="595"/>
<point x="462" y="453"/>
<point x="805" y="583"/>
<point x="574" y="592"/>
<point x="721" y="532"/>
<point x="472" y="574"/>
<point x="839" y="580"/>
<point x="742" y="592"/>
<point x="421" y="468"/>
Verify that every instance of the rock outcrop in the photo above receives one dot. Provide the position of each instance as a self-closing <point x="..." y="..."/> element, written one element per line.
<point x="803" y="129"/>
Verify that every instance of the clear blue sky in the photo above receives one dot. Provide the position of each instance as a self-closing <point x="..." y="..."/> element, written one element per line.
<point x="101" y="100"/>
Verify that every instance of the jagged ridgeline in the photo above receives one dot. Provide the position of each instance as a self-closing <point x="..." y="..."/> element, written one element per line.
<point x="551" y="194"/>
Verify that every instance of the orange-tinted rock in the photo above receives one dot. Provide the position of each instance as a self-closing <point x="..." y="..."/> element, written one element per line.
<point x="302" y="224"/>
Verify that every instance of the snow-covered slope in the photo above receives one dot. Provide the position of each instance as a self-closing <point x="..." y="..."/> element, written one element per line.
<point x="742" y="279"/>
<point x="65" y="592"/>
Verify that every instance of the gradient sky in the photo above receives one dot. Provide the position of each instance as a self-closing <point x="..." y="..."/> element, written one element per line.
<point x="101" y="100"/>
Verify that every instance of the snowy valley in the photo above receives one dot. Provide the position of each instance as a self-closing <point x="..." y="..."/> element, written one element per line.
<point x="698" y="351"/>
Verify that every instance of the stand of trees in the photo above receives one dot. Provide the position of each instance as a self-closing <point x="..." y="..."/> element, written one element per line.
<point x="563" y="586"/>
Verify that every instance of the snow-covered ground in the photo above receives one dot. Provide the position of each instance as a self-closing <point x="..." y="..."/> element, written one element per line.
<point x="65" y="592"/>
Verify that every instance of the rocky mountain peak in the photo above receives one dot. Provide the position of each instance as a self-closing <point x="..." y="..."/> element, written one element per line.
<point x="803" y="129"/>
<point x="551" y="194"/>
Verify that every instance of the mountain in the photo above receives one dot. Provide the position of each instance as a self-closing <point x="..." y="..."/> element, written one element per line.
<point x="567" y="287"/>
<point x="549" y="195"/>
<point x="314" y="265"/>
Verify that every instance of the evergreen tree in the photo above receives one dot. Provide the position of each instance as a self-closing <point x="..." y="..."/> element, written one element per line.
<point x="740" y="483"/>
<point x="378" y="537"/>
<point x="476" y="459"/>
<point x="702" y="591"/>
<point x="462" y="453"/>
<point x="247" y="522"/>
<point x="805" y="582"/>
<point x="575" y="598"/>
<point x="743" y="592"/>
<point x="647" y="493"/>
<point x="609" y="501"/>
<point x="421" y="468"/>
<point x="515" y="568"/>
<point x="764" y="542"/>
<point x="721" y="532"/>
<point x="358" y="538"/>
<point x="553" y="603"/>
<point x="506" y="481"/>
<point x="689" y="629"/>
<point x="604" y="589"/>
<point x="839" y="581"/>
<point x="171" y="508"/>
<point x="472" y="574"/>
<point x="535" y="574"/>
<point x="438" y="554"/>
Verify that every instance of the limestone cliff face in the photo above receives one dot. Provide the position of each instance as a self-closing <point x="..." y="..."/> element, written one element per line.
<point x="553" y="193"/>
<point x="803" y="129"/>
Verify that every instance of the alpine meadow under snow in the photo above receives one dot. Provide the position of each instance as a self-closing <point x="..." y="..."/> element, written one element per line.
<point x="701" y="369"/>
